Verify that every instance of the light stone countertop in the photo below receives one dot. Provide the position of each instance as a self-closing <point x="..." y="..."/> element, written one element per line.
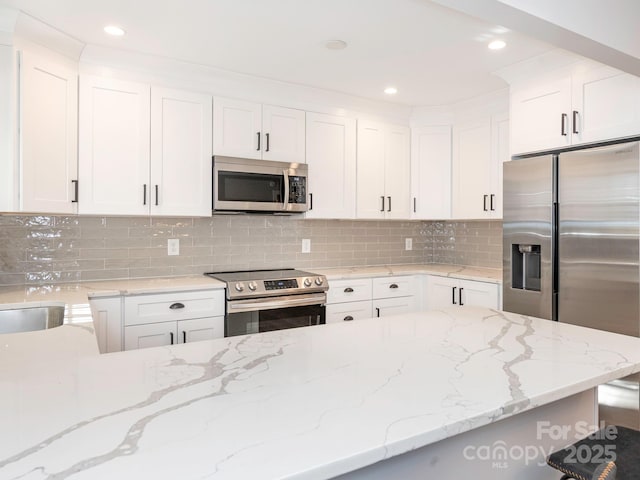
<point x="305" y="403"/>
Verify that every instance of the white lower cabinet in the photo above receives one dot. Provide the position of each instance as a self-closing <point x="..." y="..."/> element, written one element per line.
<point x="445" y="292"/>
<point x="167" y="319"/>
<point x="370" y="297"/>
<point x="107" y="322"/>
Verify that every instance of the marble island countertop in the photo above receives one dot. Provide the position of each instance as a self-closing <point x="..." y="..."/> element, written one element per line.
<point x="304" y="403"/>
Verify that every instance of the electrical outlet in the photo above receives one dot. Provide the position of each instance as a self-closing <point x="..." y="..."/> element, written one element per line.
<point x="408" y="244"/>
<point x="173" y="246"/>
<point x="306" y="245"/>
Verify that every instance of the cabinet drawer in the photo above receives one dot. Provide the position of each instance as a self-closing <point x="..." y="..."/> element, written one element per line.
<point x="349" y="290"/>
<point x="390" y="287"/>
<point x="143" y="309"/>
<point x="341" y="312"/>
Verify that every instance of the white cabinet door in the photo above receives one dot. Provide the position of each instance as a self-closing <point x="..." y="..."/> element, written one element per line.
<point x="114" y="147"/>
<point x="284" y="134"/>
<point x="198" y="329"/>
<point x="107" y="322"/>
<point x="393" y="306"/>
<point x="180" y="153"/>
<point x="371" y="201"/>
<point x="331" y="157"/>
<point x="431" y="173"/>
<point x="150" y="335"/>
<point x="237" y="128"/>
<point x="397" y="182"/>
<point x="346" y="312"/>
<point x="540" y="115"/>
<point x="441" y="292"/>
<point x="471" y="170"/>
<point x="606" y="105"/>
<point x="499" y="155"/>
<point x="479" y="294"/>
<point x="48" y="134"/>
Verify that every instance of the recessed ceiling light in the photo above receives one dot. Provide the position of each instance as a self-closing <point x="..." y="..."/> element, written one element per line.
<point x="114" y="30"/>
<point x="391" y="90"/>
<point x="336" y="44"/>
<point x="497" y="45"/>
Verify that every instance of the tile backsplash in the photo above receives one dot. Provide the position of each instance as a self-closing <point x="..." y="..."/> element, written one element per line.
<point x="38" y="249"/>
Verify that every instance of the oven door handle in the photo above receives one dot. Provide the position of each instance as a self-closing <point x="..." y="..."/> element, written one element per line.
<point x="285" y="172"/>
<point x="240" y="306"/>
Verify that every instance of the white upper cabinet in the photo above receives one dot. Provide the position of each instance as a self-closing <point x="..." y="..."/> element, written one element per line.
<point x="180" y="153"/>
<point x="431" y="173"/>
<point x="143" y="150"/>
<point x="479" y="150"/>
<point x="540" y="116"/>
<point x="48" y="134"/>
<point x="251" y="130"/>
<point x="589" y="104"/>
<point x="331" y="157"/>
<point x="114" y="147"/>
<point x="606" y="103"/>
<point x="383" y="162"/>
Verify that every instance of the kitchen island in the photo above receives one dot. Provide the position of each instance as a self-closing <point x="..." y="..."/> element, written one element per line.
<point x="368" y="399"/>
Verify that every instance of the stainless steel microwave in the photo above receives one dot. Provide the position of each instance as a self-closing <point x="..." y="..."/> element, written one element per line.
<point x="246" y="185"/>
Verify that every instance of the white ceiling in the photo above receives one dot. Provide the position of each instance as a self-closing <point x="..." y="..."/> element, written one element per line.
<point x="433" y="55"/>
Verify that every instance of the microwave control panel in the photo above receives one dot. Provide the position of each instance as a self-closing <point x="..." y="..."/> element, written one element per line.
<point x="297" y="189"/>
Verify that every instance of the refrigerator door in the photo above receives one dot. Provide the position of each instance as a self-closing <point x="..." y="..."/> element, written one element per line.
<point x="598" y="238"/>
<point x="527" y="236"/>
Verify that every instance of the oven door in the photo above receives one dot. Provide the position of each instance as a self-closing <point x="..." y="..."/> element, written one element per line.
<point x="276" y="313"/>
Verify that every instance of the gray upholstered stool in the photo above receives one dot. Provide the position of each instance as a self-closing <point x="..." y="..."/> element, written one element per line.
<point x="612" y="453"/>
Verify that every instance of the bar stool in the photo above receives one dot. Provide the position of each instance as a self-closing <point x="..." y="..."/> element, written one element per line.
<point x="612" y="453"/>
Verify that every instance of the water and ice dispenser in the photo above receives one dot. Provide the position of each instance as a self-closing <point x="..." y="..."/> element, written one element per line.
<point x="525" y="266"/>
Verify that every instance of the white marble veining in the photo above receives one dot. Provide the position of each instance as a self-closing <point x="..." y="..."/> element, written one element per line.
<point x="304" y="403"/>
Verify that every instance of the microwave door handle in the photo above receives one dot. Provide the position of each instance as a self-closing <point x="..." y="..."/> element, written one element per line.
<point x="286" y="188"/>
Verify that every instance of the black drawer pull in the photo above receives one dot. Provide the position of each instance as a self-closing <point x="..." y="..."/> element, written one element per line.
<point x="377" y="312"/>
<point x="176" y="306"/>
<point x="348" y="318"/>
<point x="393" y="285"/>
<point x="348" y="290"/>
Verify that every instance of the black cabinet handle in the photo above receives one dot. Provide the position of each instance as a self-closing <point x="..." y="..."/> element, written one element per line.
<point x="484" y="203"/>
<point x="348" y="318"/>
<point x="377" y="312"/>
<point x="348" y="290"/>
<point x="575" y="121"/>
<point x="382" y="197"/>
<point x="563" y="125"/>
<point x="176" y="306"/>
<point x="414" y="204"/>
<point x="171" y="337"/>
<point x="156" y="195"/>
<point x="75" y="191"/>
<point x="389" y="204"/>
<point x="453" y="295"/>
<point x="267" y="135"/>
<point x="258" y="133"/>
<point x="144" y="194"/>
<point x="393" y="285"/>
<point x="184" y="337"/>
<point x="491" y="198"/>
<point x="311" y="201"/>
<point x="460" y="296"/>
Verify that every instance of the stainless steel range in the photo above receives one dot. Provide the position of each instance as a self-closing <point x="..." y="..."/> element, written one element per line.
<point x="265" y="300"/>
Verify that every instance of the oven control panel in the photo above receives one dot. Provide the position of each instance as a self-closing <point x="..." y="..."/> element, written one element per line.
<point x="280" y="284"/>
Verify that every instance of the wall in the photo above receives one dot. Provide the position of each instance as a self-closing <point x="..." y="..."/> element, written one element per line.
<point x="41" y="249"/>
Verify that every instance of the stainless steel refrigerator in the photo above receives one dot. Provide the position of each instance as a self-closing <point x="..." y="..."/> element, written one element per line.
<point x="571" y="248"/>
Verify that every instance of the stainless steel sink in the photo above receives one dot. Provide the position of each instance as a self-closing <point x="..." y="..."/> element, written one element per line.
<point x="28" y="319"/>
